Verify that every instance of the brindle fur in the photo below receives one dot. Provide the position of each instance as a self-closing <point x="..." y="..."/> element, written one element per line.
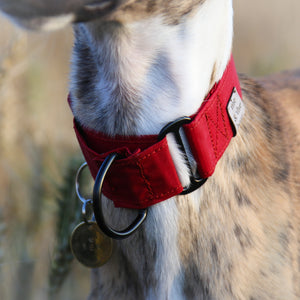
<point x="244" y="237"/>
<point x="243" y="241"/>
<point x="238" y="236"/>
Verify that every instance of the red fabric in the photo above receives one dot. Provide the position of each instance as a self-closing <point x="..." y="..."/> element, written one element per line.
<point x="210" y="132"/>
<point x="145" y="173"/>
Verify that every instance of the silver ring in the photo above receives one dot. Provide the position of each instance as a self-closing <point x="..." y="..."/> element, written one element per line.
<point x="81" y="198"/>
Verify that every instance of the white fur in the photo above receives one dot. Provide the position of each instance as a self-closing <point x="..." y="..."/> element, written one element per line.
<point x="192" y="48"/>
<point x="168" y="265"/>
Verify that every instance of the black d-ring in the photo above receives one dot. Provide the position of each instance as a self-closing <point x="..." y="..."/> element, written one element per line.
<point x="97" y="205"/>
<point x="174" y="127"/>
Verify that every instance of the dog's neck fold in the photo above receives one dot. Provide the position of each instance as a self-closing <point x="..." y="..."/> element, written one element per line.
<point x="133" y="78"/>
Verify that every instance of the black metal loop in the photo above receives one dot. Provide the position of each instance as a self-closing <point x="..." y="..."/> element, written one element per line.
<point x="174" y="127"/>
<point x="97" y="205"/>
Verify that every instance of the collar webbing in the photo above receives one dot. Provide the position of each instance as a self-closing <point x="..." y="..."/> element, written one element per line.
<point x="144" y="174"/>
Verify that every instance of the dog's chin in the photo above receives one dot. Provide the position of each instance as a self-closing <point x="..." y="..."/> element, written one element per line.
<point x="41" y="20"/>
<point x="100" y="10"/>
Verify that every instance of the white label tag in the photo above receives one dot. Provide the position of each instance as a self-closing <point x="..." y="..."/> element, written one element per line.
<point x="235" y="109"/>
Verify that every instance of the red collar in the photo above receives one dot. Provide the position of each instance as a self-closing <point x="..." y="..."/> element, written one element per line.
<point x="145" y="174"/>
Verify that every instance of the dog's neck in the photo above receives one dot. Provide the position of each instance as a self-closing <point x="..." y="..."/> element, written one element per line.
<point x="133" y="78"/>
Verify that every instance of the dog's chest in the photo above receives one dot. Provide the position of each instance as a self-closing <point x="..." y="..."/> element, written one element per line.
<point x="206" y="244"/>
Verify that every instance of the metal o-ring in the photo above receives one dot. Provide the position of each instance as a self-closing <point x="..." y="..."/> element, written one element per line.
<point x="86" y="203"/>
<point x="80" y="197"/>
<point x="97" y="205"/>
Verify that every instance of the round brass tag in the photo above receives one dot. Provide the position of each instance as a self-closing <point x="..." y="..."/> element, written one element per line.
<point x="90" y="246"/>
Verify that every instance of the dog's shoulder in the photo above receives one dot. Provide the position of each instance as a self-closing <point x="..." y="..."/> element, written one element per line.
<point x="285" y="89"/>
<point x="278" y="95"/>
<point x="273" y="104"/>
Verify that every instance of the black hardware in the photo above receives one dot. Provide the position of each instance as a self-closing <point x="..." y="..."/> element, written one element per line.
<point x="174" y="127"/>
<point x="97" y="205"/>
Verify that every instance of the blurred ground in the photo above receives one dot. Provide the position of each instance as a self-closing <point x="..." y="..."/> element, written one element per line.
<point x="266" y="35"/>
<point x="37" y="140"/>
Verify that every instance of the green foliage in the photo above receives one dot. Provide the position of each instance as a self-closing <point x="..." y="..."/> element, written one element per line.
<point x="68" y="216"/>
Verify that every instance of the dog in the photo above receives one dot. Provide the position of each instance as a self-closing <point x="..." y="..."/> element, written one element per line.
<point x="139" y="65"/>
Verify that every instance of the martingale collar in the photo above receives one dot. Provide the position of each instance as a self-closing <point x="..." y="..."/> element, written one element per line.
<point x="144" y="173"/>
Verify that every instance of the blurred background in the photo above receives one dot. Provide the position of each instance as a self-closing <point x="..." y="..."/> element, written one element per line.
<point x="39" y="153"/>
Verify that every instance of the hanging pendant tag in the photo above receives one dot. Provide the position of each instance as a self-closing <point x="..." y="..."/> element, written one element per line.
<point x="90" y="246"/>
<point x="235" y="110"/>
